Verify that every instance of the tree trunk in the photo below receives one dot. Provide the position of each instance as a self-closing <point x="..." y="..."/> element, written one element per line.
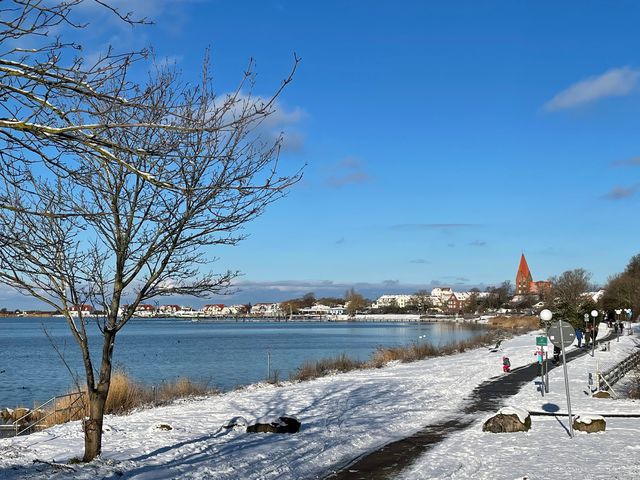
<point x="93" y="424"/>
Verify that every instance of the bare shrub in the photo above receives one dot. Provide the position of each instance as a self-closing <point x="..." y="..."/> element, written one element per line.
<point x="274" y="378"/>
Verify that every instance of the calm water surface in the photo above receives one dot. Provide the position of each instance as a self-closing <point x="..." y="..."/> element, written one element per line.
<point x="222" y="354"/>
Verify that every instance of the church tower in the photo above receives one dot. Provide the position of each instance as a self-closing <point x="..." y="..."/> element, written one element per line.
<point x="523" y="278"/>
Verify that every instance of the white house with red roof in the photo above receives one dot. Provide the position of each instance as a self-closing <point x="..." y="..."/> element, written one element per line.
<point x="80" y="310"/>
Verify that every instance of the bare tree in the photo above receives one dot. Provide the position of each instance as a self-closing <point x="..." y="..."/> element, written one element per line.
<point x="623" y="290"/>
<point x="353" y="301"/>
<point x="421" y="301"/>
<point x="567" y="294"/>
<point x="113" y="191"/>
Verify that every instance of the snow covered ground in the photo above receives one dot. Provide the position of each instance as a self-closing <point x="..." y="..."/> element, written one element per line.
<point x="344" y="416"/>
<point x="547" y="451"/>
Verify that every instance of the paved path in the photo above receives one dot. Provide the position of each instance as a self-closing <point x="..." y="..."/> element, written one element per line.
<point x="387" y="462"/>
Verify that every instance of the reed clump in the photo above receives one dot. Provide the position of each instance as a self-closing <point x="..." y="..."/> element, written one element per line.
<point x="325" y="366"/>
<point x="125" y="395"/>
<point x="420" y="351"/>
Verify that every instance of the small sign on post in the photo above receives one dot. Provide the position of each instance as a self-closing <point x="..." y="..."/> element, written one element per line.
<point x="564" y="338"/>
<point x="541" y="341"/>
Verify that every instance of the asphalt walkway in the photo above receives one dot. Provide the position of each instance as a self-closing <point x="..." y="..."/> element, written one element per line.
<point x="391" y="459"/>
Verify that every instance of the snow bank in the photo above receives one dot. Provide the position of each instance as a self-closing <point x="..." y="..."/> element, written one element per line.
<point x="587" y="419"/>
<point x="510" y="410"/>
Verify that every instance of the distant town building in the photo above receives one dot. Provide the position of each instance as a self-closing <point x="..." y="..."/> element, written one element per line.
<point x="265" y="309"/>
<point x="234" y="309"/>
<point x="524" y="281"/>
<point x="80" y="311"/>
<point x="440" y="296"/>
<point x="400" y="301"/>
<point x="144" y="310"/>
<point x="457" y="301"/>
<point x="316" y="310"/>
<point x="214" y="309"/>
<point x="169" y="309"/>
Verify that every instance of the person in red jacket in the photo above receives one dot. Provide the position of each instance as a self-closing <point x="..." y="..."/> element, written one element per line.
<point x="506" y="364"/>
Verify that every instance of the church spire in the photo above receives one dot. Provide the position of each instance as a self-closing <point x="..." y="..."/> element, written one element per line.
<point x="523" y="277"/>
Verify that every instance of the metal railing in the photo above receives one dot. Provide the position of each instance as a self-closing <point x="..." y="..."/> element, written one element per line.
<point x="615" y="373"/>
<point x="61" y="412"/>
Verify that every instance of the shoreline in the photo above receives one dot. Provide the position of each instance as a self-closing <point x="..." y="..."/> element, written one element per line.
<point x="373" y="318"/>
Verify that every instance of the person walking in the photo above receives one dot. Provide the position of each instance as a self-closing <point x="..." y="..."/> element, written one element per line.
<point x="556" y="354"/>
<point x="506" y="364"/>
<point x="579" y="337"/>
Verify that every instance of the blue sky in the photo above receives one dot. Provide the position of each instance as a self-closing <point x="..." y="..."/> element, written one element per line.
<point x="441" y="139"/>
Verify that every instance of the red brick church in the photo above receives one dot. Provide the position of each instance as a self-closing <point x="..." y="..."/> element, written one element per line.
<point x="524" y="281"/>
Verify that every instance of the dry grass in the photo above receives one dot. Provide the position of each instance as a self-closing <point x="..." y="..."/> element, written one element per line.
<point x="384" y="355"/>
<point x="325" y="366"/>
<point x="419" y="351"/>
<point x="125" y="394"/>
<point x="516" y="323"/>
<point x="182" y="388"/>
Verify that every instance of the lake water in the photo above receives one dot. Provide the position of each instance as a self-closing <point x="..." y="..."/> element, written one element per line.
<point x="221" y="353"/>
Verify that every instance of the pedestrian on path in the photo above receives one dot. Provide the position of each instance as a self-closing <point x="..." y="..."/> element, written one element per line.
<point x="556" y="354"/>
<point x="506" y="364"/>
<point x="579" y="337"/>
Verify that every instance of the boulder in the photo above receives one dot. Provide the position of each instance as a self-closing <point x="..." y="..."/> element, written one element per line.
<point x="163" y="426"/>
<point x="508" y="420"/>
<point x="601" y="394"/>
<point x="589" y="423"/>
<point x="6" y="414"/>
<point x="284" y="424"/>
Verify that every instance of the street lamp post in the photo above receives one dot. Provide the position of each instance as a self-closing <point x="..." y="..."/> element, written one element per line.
<point x="594" y="314"/>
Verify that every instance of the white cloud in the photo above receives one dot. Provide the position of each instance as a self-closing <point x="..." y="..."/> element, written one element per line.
<point x="280" y="120"/>
<point x="348" y="171"/>
<point x="616" y="82"/>
<point x="620" y="192"/>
